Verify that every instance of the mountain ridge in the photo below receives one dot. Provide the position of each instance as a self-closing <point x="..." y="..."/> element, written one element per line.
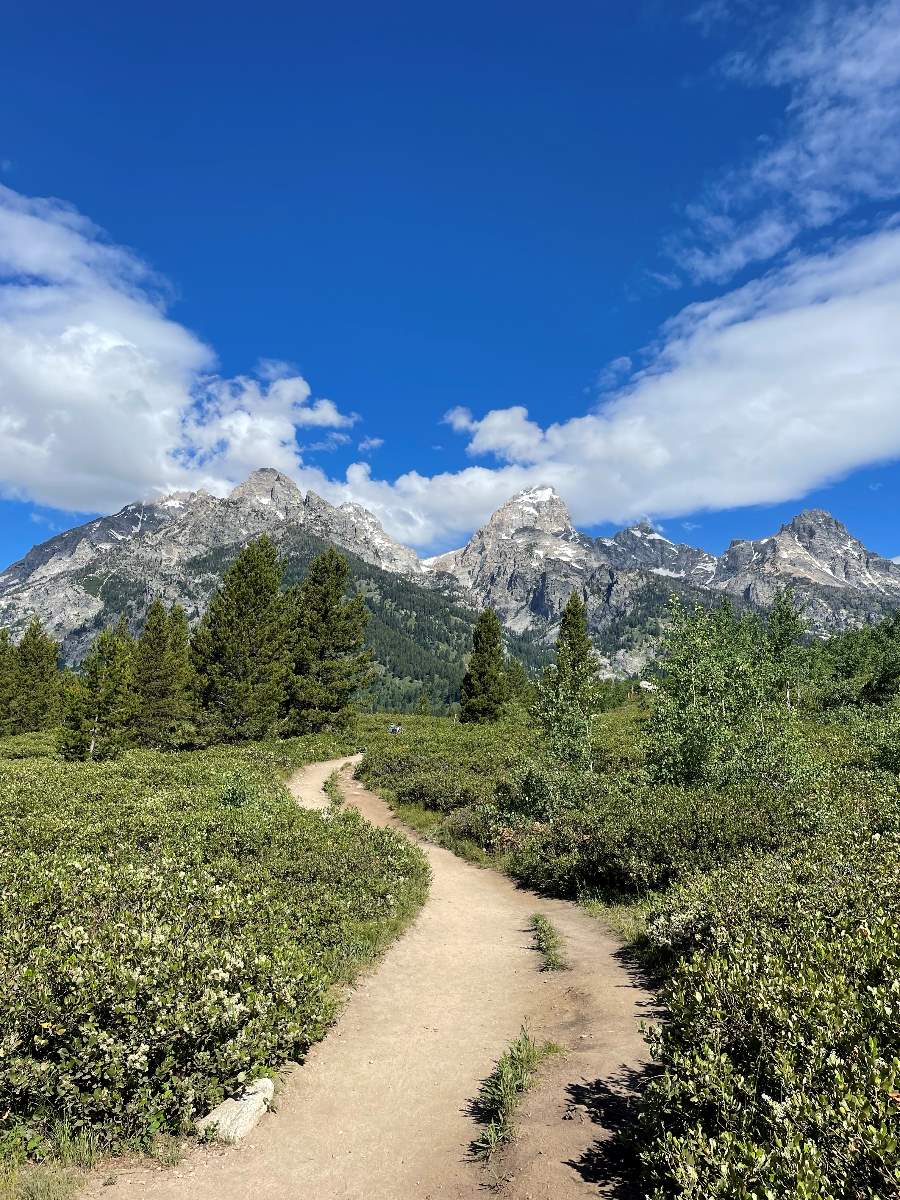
<point x="524" y="561"/>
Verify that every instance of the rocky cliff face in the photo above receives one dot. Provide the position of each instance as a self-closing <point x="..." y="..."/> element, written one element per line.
<point x="528" y="558"/>
<point x="524" y="562"/>
<point x="174" y="548"/>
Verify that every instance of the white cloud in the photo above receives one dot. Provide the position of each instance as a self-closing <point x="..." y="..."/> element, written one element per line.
<point x="767" y="392"/>
<point x="764" y="394"/>
<point x="840" y="66"/>
<point x="102" y="396"/>
<point x="370" y="443"/>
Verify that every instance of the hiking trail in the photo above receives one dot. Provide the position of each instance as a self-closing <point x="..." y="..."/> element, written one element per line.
<point x="379" y="1109"/>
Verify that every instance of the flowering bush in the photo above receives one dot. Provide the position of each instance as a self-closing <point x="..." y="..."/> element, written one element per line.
<point x="170" y="925"/>
<point x="781" y="1049"/>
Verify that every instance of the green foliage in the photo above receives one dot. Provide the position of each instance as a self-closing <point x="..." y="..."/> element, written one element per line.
<point x="164" y="684"/>
<point x="327" y="639"/>
<point x="241" y="648"/>
<point x="172" y="923"/>
<point x="35" y="683"/>
<point x="484" y="684"/>
<point x="97" y="707"/>
<point x="7" y="681"/>
<point x="500" y="1093"/>
<point x="781" y="1047"/>
<point x="728" y="685"/>
<point x="568" y="699"/>
<point x="548" y="942"/>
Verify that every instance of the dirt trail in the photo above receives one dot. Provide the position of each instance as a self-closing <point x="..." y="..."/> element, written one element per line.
<point x="379" y="1109"/>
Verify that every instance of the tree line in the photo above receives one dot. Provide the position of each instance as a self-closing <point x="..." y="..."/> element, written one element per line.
<point x="263" y="660"/>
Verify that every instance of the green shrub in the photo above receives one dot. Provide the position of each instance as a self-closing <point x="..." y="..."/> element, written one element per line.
<point x="781" y="1047"/>
<point x="171" y="925"/>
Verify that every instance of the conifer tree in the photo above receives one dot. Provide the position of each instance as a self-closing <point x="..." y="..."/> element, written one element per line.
<point x="76" y="732"/>
<point x="484" y="684"/>
<point x="240" y="648"/>
<point x="329" y="659"/>
<point x="7" y="681"/>
<point x="163" y="679"/>
<point x="519" y="687"/>
<point x="183" y="688"/>
<point x="107" y="677"/>
<point x="576" y="665"/>
<point x="36" y="681"/>
<point x="569" y="697"/>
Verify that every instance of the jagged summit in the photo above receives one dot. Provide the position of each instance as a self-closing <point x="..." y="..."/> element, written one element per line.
<point x="270" y="487"/>
<point x="539" y="508"/>
<point x="524" y="562"/>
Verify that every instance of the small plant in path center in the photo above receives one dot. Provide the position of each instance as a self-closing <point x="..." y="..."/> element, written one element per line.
<point x="548" y="940"/>
<point x="500" y="1092"/>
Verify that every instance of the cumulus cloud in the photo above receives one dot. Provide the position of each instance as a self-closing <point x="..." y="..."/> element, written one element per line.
<point x="839" y="64"/>
<point x="102" y="396"/>
<point x="370" y="443"/>
<point x="758" y="396"/>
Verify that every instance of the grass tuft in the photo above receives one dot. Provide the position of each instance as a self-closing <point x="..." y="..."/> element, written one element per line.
<point x="500" y="1092"/>
<point x="548" y="941"/>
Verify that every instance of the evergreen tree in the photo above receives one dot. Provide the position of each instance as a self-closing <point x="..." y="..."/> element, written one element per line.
<point x="76" y="732"/>
<point x="484" y="684"/>
<point x="329" y="659"/>
<point x="151" y="679"/>
<point x="183" y="682"/>
<point x="240" y="648"/>
<point x="36" y="681"/>
<point x="519" y="687"/>
<point x="107" y="677"/>
<point x="569" y="697"/>
<point x="7" y="681"/>
<point x="576" y="665"/>
<point x="163" y="679"/>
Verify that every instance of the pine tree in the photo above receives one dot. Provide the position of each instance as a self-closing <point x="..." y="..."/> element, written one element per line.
<point x="151" y="679"/>
<point x="484" y="684"/>
<point x="519" y="687"/>
<point x="76" y="732"/>
<point x="240" y="648"/>
<point x="569" y="696"/>
<point x="329" y="659"/>
<point x="576" y="665"/>
<point x="163" y="680"/>
<point x="107" y="676"/>
<point x="36" y="681"/>
<point x="7" y="681"/>
<point x="183" y="682"/>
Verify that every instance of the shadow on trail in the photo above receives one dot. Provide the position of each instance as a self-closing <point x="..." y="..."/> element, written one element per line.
<point x="612" y="1104"/>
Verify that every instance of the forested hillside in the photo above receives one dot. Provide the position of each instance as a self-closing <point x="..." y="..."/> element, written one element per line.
<point x="418" y="637"/>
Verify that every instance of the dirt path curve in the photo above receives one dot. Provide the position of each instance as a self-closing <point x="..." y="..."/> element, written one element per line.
<point x="379" y="1109"/>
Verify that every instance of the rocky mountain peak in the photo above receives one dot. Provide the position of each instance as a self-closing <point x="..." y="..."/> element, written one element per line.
<point x="268" y="486"/>
<point x="815" y="524"/>
<point x="540" y="508"/>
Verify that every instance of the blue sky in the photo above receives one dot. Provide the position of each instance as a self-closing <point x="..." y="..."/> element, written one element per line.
<point x="422" y="257"/>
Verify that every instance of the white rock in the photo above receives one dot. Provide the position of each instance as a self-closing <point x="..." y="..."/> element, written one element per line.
<point x="233" y="1119"/>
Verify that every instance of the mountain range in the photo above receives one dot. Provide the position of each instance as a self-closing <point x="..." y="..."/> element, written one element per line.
<point x="524" y="562"/>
